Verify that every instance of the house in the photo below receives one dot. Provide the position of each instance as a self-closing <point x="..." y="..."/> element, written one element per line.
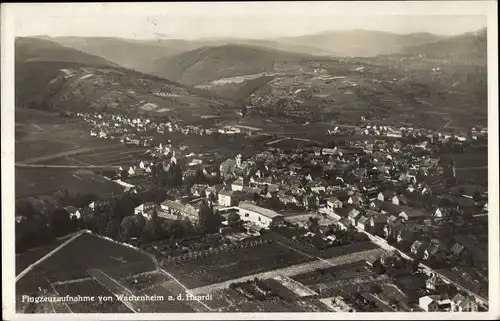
<point x="227" y="166"/>
<point x="432" y="282"/>
<point x="97" y="204"/>
<point x="131" y="171"/>
<point x="457" y="249"/>
<point x="417" y="247"/>
<point x="333" y="203"/>
<point x="344" y="223"/>
<point x="145" y="209"/>
<point x="354" y="216"/>
<point x="438" y="213"/>
<point x="260" y="216"/>
<point x="376" y="204"/>
<point x="198" y="189"/>
<point x="237" y="185"/>
<point x="405" y="212"/>
<point x="288" y="199"/>
<point x="376" y="222"/>
<point x="73" y="212"/>
<point x="363" y="223"/>
<point x="227" y="198"/>
<point x="435" y="303"/>
<point x="436" y="249"/>
<point x="355" y="199"/>
<point x="213" y="191"/>
<point x="461" y="303"/>
<point x="470" y="244"/>
<point x="386" y="196"/>
<point x="181" y="210"/>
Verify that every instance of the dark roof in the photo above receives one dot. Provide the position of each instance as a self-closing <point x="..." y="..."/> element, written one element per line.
<point x="388" y="194"/>
<point x="472" y="246"/>
<point x="226" y="192"/>
<point x="457" y="248"/>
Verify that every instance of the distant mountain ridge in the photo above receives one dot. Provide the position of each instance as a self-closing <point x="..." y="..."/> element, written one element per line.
<point x="151" y="55"/>
<point x="470" y="47"/>
<point x="34" y="49"/>
<point x="361" y="43"/>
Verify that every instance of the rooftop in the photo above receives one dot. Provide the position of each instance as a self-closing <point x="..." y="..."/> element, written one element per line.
<point x="263" y="211"/>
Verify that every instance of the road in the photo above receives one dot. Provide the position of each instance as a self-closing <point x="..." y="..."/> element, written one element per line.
<point x="278" y="140"/>
<point x="293" y="270"/>
<point x="294" y="138"/>
<point x="66" y="166"/>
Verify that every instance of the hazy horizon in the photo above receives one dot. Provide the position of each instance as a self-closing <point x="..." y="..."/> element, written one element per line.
<point x="258" y="20"/>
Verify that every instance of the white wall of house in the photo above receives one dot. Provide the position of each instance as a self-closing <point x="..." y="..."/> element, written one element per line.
<point x="224" y="200"/>
<point x="256" y="218"/>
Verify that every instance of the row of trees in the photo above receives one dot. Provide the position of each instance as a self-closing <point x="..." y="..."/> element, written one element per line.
<point x="114" y="219"/>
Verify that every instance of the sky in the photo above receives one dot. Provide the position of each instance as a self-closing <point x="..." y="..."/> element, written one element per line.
<point x="262" y="20"/>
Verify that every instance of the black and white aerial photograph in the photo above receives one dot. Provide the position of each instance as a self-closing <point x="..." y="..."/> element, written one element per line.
<point x="254" y="157"/>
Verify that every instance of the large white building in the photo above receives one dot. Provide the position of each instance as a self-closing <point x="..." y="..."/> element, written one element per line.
<point x="260" y="216"/>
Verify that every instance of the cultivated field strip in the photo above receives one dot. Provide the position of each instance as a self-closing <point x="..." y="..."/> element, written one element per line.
<point x="114" y="287"/>
<point x="294" y="270"/>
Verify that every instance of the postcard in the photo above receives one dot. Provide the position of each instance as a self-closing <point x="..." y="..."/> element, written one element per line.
<point x="250" y="160"/>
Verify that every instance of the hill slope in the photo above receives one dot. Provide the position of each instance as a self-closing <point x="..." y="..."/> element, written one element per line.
<point x="212" y="63"/>
<point x="360" y="43"/>
<point x="466" y="48"/>
<point x="38" y="50"/>
<point x="52" y="77"/>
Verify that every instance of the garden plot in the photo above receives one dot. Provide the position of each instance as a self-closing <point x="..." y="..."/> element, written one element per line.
<point x="229" y="265"/>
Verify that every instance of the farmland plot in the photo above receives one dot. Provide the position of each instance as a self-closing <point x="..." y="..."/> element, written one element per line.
<point x="92" y="289"/>
<point x="41" y="181"/>
<point x="77" y="257"/>
<point x="230" y="265"/>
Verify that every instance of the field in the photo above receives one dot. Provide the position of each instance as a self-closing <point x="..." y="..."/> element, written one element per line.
<point x="40" y="181"/>
<point x="78" y="256"/>
<point x="40" y="134"/>
<point x="48" y="139"/>
<point x="471" y="165"/>
<point x="91" y="288"/>
<point x="234" y="264"/>
<point x="23" y="260"/>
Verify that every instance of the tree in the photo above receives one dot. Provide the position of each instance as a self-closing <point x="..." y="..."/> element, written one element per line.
<point x="113" y="228"/>
<point x="25" y="208"/>
<point x="233" y="219"/>
<point x="60" y="222"/>
<point x="151" y="230"/>
<point x="313" y="224"/>
<point x="477" y="197"/>
<point x="208" y="220"/>
<point x="130" y="228"/>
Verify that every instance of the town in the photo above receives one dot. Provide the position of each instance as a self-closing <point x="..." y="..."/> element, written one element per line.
<point x="387" y="203"/>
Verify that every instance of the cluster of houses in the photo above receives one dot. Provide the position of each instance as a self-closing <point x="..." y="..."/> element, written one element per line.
<point x="128" y="129"/>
